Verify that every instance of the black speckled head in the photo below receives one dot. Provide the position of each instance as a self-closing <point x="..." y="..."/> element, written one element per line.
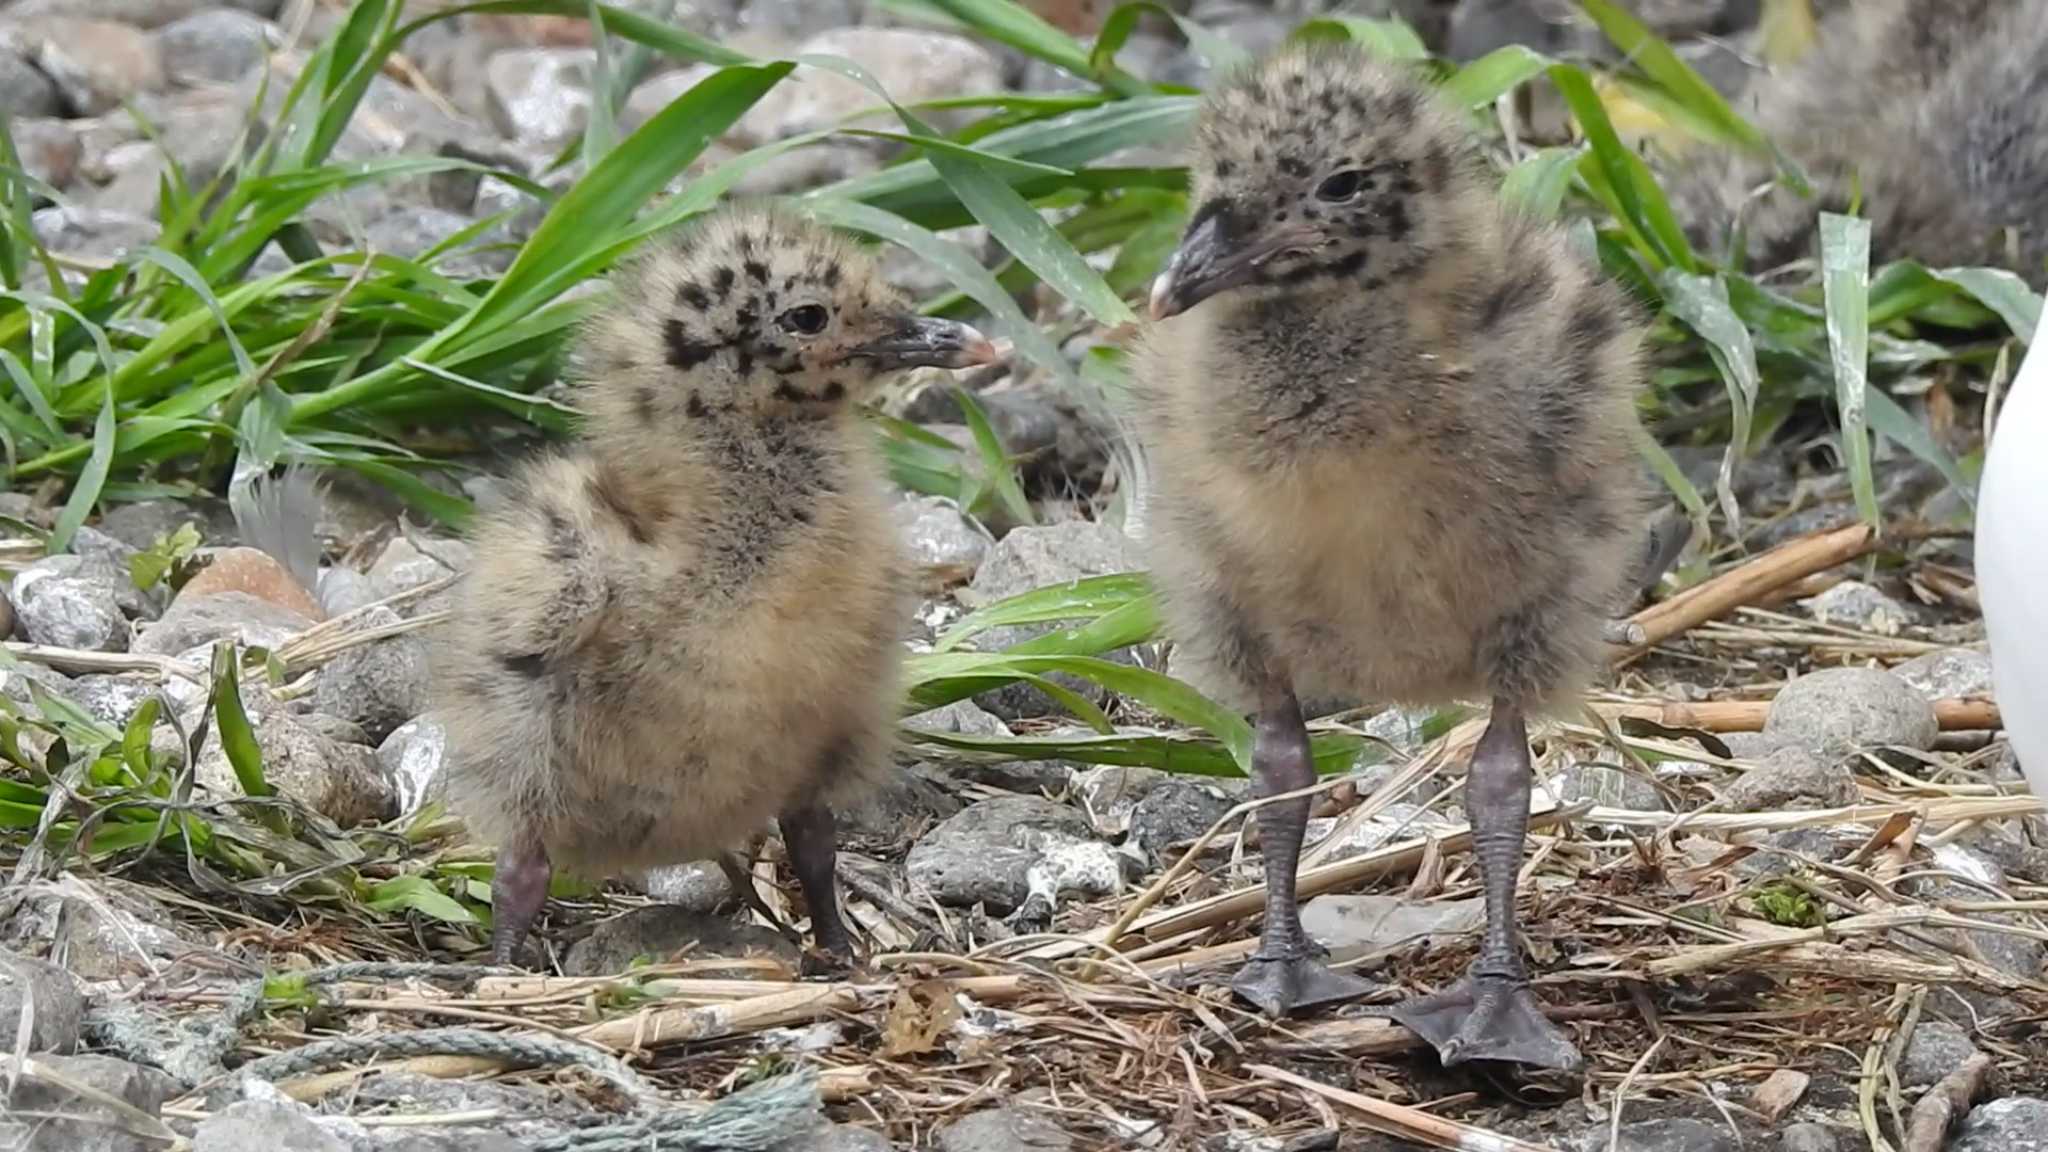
<point x="1318" y="163"/>
<point x="758" y="307"/>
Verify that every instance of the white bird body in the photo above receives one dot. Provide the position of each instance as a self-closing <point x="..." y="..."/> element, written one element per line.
<point x="2012" y="561"/>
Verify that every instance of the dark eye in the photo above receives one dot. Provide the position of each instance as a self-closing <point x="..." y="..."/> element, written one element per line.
<point x="1341" y="187"/>
<point x="808" y="320"/>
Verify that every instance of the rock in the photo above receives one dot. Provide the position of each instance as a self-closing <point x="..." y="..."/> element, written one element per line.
<point x="541" y="96"/>
<point x="14" y="681"/>
<point x="938" y="536"/>
<point x="271" y="1125"/>
<point x="1792" y="777"/>
<point x="24" y="90"/>
<point x="402" y="566"/>
<point x="1607" y="787"/>
<point x="1948" y="673"/>
<point x="255" y="572"/>
<point x="112" y="699"/>
<point x="1682" y="1135"/>
<point x="1936" y="1049"/>
<point x="343" y="782"/>
<point x="1854" y="604"/>
<point x="2014" y="1124"/>
<point x="983" y="855"/>
<point x="790" y="23"/>
<point x="379" y="685"/>
<point x="1354" y="926"/>
<point x="1808" y="1138"/>
<point x="49" y="148"/>
<point x="1110" y="794"/>
<point x="140" y="13"/>
<point x="198" y="621"/>
<point x="2019" y="956"/>
<point x="1003" y="1130"/>
<point x="1394" y="822"/>
<point x="898" y="811"/>
<point x="66" y="604"/>
<point x="343" y="589"/>
<point x="1028" y="558"/>
<point x="97" y="63"/>
<point x="1175" y="812"/>
<point x="413" y="757"/>
<point x="411" y="231"/>
<point x="662" y="930"/>
<point x="142" y="524"/>
<point x="1837" y="712"/>
<point x="658" y="92"/>
<point x="836" y="1138"/>
<point x="104" y="931"/>
<point x="214" y="46"/>
<point x="92" y="234"/>
<point x="59" y="1008"/>
<point x="66" y="1122"/>
<point x="911" y="65"/>
<point x="699" y="887"/>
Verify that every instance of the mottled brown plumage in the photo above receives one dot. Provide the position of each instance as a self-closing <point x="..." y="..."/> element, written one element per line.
<point x="1930" y="108"/>
<point x="1389" y="420"/>
<point x="689" y="623"/>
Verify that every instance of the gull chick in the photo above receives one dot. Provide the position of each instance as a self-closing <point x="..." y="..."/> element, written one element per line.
<point x="1390" y="419"/>
<point x="690" y="623"/>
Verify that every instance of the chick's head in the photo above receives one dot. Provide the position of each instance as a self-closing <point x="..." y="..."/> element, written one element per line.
<point x="1317" y="164"/>
<point x="759" y="309"/>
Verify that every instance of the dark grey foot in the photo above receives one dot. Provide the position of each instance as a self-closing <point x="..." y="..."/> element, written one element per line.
<point x="1280" y="985"/>
<point x="824" y="964"/>
<point x="1488" y="1018"/>
<point x="519" y="887"/>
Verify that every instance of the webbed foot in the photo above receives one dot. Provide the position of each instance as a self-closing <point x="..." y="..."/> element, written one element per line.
<point x="1278" y="985"/>
<point x="1488" y="1018"/>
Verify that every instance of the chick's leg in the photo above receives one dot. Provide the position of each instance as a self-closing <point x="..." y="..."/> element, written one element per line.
<point x="811" y="835"/>
<point x="1490" y="1015"/>
<point x="1285" y="973"/>
<point x="519" y="886"/>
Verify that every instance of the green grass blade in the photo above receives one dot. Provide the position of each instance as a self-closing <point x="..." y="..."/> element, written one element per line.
<point x="995" y="461"/>
<point x="85" y="491"/>
<point x="1091" y="596"/>
<point x="1656" y="59"/>
<point x="190" y="278"/>
<point x="231" y="724"/>
<point x="1674" y="477"/>
<point x="1702" y="303"/>
<point x="1480" y="83"/>
<point x="1008" y="22"/>
<point x="1387" y="39"/>
<point x="1894" y="423"/>
<point x="1538" y="183"/>
<point x="1221" y="54"/>
<point x="623" y="22"/>
<point x="2002" y="292"/>
<point x="1845" y="281"/>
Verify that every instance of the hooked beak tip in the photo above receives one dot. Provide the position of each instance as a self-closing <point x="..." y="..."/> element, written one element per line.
<point x="980" y="350"/>
<point x="1161" y="304"/>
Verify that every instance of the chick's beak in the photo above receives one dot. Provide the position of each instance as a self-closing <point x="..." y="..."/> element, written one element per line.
<point x="927" y="341"/>
<point x="1209" y="260"/>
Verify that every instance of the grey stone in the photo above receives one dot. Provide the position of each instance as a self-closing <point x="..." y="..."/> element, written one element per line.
<point x="24" y="90"/>
<point x="57" y="1120"/>
<point x="826" y="162"/>
<point x="699" y="887"/>
<point x="14" y="681"/>
<point x="92" y="233"/>
<point x="412" y="230"/>
<point x="343" y="782"/>
<point x="938" y="536"/>
<point x="1936" y="1049"/>
<point x="2015" y="955"/>
<point x="983" y="855"/>
<point x="140" y="13"/>
<point x="379" y="685"/>
<point x="402" y="566"/>
<point x="1808" y="1138"/>
<point x="907" y="801"/>
<point x="112" y="699"/>
<point x="660" y="931"/>
<point x="1354" y="926"/>
<point x="343" y="589"/>
<point x="1854" y="604"/>
<point x="141" y="524"/>
<point x="541" y="96"/>
<point x="274" y="1125"/>
<point x="1837" y="712"/>
<point x="1397" y="821"/>
<point x="789" y="23"/>
<point x="1607" y="787"/>
<point x="49" y="148"/>
<point x="912" y="65"/>
<point x="836" y="1138"/>
<point x="213" y="46"/>
<point x="1004" y="1130"/>
<point x="413" y="756"/>
<point x="67" y="604"/>
<point x="102" y="931"/>
<point x="658" y="92"/>
<point x="59" y="1007"/>
<point x="2014" y="1124"/>
<point x="1028" y="558"/>
<point x="199" y="621"/>
<point x="1110" y="794"/>
<point x="1681" y="1135"/>
<point x="1948" y="673"/>
<point x="1175" y="812"/>
<point x="1792" y="777"/>
<point x="97" y="63"/>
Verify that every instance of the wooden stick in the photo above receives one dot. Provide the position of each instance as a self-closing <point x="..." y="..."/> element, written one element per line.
<point x="1955" y="714"/>
<point x="1746" y="583"/>
<point x="654" y="1026"/>
<point x="1400" y="1120"/>
<point x="1944" y="1104"/>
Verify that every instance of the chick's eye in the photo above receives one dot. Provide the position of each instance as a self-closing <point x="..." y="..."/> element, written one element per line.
<point x="808" y="320"/>
<point x="1343" y="186"/>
